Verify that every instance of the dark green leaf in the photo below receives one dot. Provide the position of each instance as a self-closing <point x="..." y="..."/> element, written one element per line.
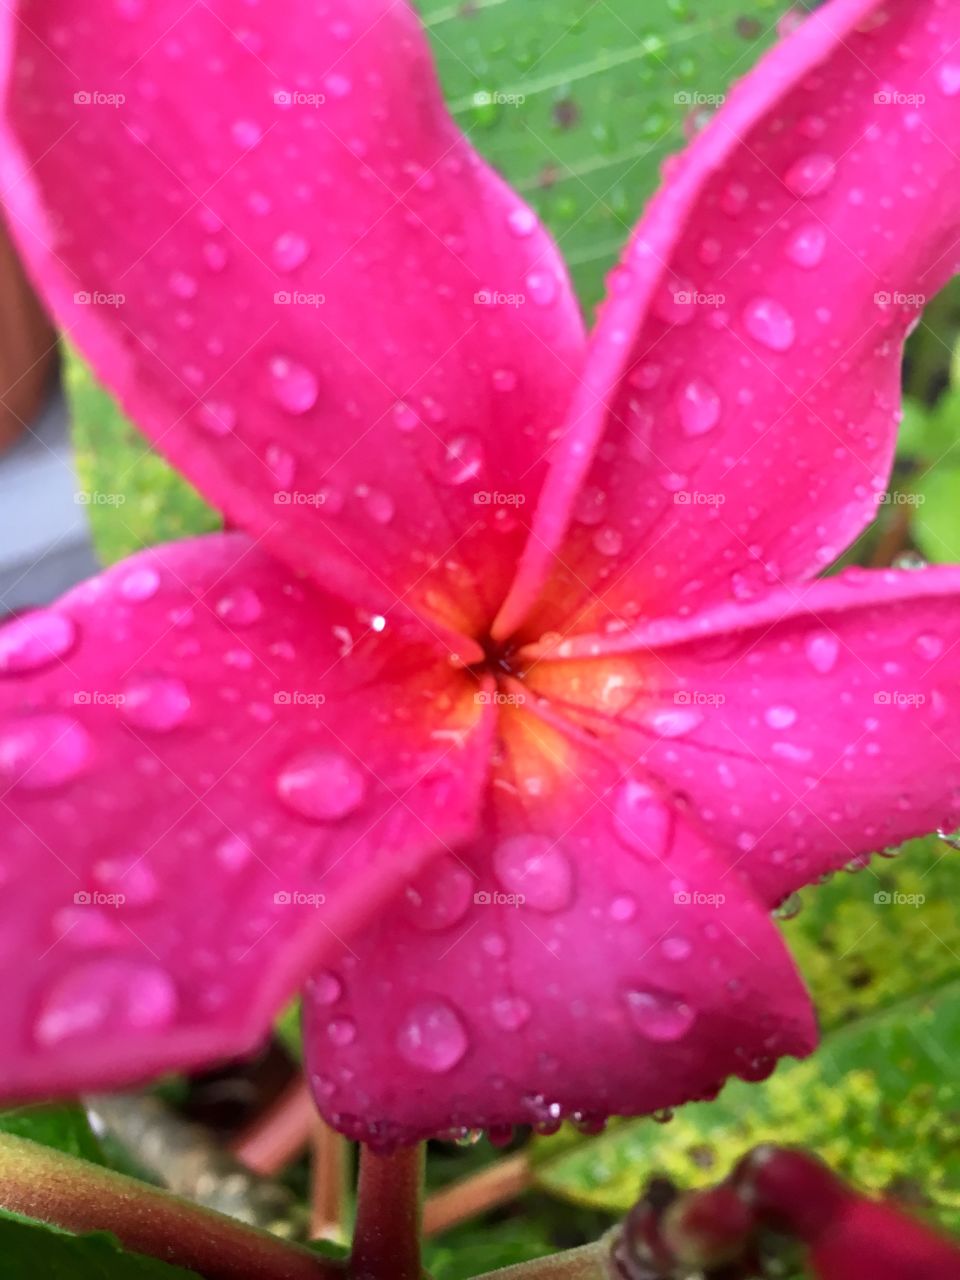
<point x="33" y="1250"/>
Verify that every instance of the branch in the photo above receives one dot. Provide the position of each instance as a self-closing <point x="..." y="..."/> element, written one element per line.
<point x="386" y="1240"/>
<point x="501" y="1182"/>
<point x="77" y="1196"/>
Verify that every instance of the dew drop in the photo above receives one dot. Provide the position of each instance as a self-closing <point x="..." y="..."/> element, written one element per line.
<point x="182" y="285"/>
<point x="658" y="1016"/>
<point x="822" y="650"/>
<point x="155" y="703"/>
<point x="811" y="174"/>
<point x="289" y="251"/>
<point x="240" y="607"/>
<point x="380" y="506"/>
<point x="522" y="221"/>
<point x="504" y="380"/>
<point x="928" y="646"/>
<point x="216" y="417"/>
<point x="641" y="820"/>
<point x="140" y="584"/>
<point x="460" y="460"/>
<point x="699" y="407"/>
<point x="542" y="286"/>
<point x="780" y="717"/>
<point x="42" y="751"/>
<point x="948" y="78"/>
<point x="441" y="897"/>
<point x="106" y="995"/>
<point x="405" y="418"/>
<point x="806" y="245"/>
<point x="294" y="387"/>
<point x="246" y="133"/>
<point x="432" y="1036"/>
<point x="34" y="640"/>
<point x="321" y="785"/>
<point x="623" y="909"/>
<point x="536" y="868"/>
<point x="342" y="1032"/>
<point x="326" y="988"/>
<point x="233" y="853"/>
<point x="510" y="1013"/>
<point x="770" y="323"/>
<point x="608" y="541"/>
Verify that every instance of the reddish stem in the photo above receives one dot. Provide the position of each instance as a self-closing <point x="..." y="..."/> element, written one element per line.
<point x="386" y="1240"/>
<point x="503" y="1181"/>
<point x="328" y="1178"/>
<point x="280" y="1133"/>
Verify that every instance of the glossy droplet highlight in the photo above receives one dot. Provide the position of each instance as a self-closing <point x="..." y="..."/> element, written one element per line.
<point x="780" y="717"/>
<point x="140" y="584"/>
<point x="289" y="251"/>
<point x="536" y="869"/>
<point x="811" y="175"/>
<point x="240" y="607"/>
<point x="659" y="1017"/>
<point x="294" y="387"/>
<point x="770" y="323"/>
<point x="432" y="1037"/>
<point x="155" y="703"/>
<point x="34" y="640"/>
<point x="807" y="245"/>
<point x="104" y="996"/>
<point x="342" y="1032"/>
<point x="43" y="751"/>
<point x="441" y="897"/>
<point x="321" y="785"/>
<point x="460" y="460"/>
<point x="216" y="417"/>
<point x="641" y="820"/>
<point x="822" y="650"/>
<point x="698" y="406"/>
<point x="326" y="988"/>
<point x="510" y="1013"/>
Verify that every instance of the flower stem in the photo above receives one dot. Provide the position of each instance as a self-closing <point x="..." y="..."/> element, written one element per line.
<point x="499" y="1183"/>
<point x="591" y="1262"/>
<point x="386" y="1241"/>
<point x="77" y="1196"/>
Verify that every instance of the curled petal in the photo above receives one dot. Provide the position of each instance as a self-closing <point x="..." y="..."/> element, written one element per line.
<point x="744" y="376"/>
<point x="211" y="774"/>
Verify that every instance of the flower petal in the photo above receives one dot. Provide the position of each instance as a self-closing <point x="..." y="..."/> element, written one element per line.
<point x="211" y="774"/>
<point x="581" y="958"/>
<point x="301" y="282"/>
<point x="806" y="730"/>
<point x="744" y="375"/>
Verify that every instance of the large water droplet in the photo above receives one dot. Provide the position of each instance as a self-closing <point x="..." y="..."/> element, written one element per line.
<point x="699" y="407"/>
<point x="822" y="650"/>
<point x="106" y="996"/>
<point x="155" y="703"/>
<point x="807" y="244"/>
<point x="536" y="868"/>
<point x="770" y="323"/>
<point x="34" y="640"/>
<point x="140" y="584"/>
<point x="432" y="1036"/>
<point x="510" y="1013"/>
<point x="440" y="897"/>
<point x="658" y="1016"/>
<point x="342" y="1032"/>
<point x="289" y="251"/>
<point x="321" y="785"/>
<point x="542" y="287"/>
<point x="294" y="387"/>
<point x="240" y="607"/>
<point x="522" y="221"/>
<point x="948" y="78"/>
<point x="44" y="750"/>
<point x="641" y="819"/>
<point x="811" y="174"/>
<point x="325" y="987"/>
<point x="780" y="717"/>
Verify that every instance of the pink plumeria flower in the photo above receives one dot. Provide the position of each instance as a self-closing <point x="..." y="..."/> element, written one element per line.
<point x="516" y="706"/>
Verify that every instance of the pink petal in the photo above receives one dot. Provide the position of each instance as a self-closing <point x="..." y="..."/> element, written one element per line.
<point x="211" y="774"/>
<point x="291" y="296"/>
<point x="745" y="371"/>
<point x="811" y="728"/>
<point x="633" y="975"/>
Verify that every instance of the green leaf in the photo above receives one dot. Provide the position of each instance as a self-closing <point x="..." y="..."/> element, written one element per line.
<point x="880" y="1099"/>
<point x="936" y="526"/>
<point x="32" y="1249"/>
<point x="63" y="1127"/>
<point x="578" y="104"/>
<point x="473" y="1250"/>
<point x="135" y="499"/>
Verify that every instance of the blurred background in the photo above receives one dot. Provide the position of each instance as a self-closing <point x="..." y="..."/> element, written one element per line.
<point x="577" y="103"/>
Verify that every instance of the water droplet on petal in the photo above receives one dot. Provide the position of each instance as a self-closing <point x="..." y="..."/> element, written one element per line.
<point x="294" y="387"/>
<point x="929" y="646"/>
<point x="510" y="1013"/>
<point x="103" y="996"/>
<point x="807" y="244"/>
<point x="608" y="541"/>
<point x="240" y="607"/>
<point x="542" y="286"/>
<point x="641" y="819"/>
<point x="321" y="785"/>
<point x="289" y="251"/>
<point x="140" y="584"/>
<point x="504" y="380"/>
<point x="811" y="174"/>
<point x="155" y="703"/>
<point x="182" y="285"/>
<point x="659" y="1017"/>
<point x="780" y="717"/>
<point x="948" y="78"/>
<point x="34" y="640"/>
<point x="432" y="1036"/>
<point x="522" y="221"/>
<point x="342" y="1032"/>
<point x="216" y="417"/>
<point x="822" y="650"/>
<point x="537" y="869"/>
<point x="770" y="323"/>
<point x="699" y="407"/>
<point x="404" y="417"/>
<point x="246" y="133"/>
<point x="441" y="897"/>
<point x="460" y="460"/>
<point x="623" y="909"/>
<point x="326" y="987"/>
<point x="44" y="750"/>
<point x="233" y="853"/>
